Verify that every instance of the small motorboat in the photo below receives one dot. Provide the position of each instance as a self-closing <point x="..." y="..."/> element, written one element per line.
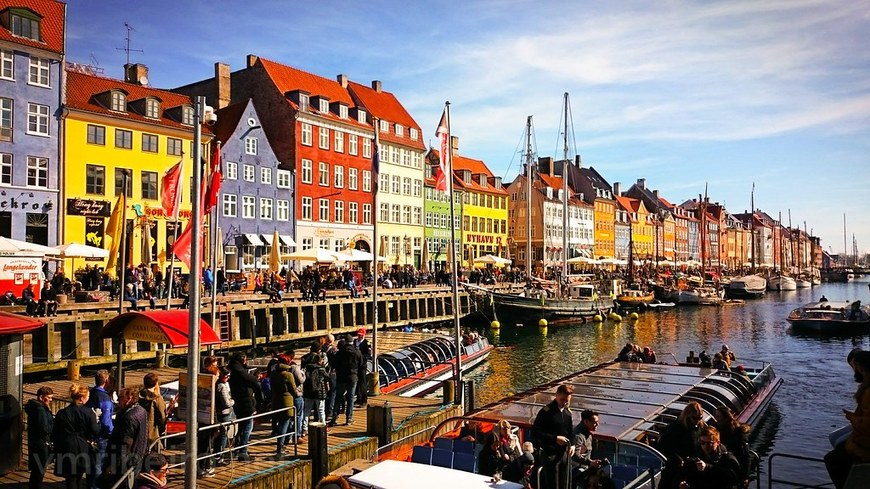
<point x="746" y="287"/>
<point x="831" y="317"/>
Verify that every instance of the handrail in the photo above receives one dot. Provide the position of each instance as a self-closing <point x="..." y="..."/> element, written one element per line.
<point x="223" y="424"/>
<point x="380" y="449"/>
<point x="771" y="480"/>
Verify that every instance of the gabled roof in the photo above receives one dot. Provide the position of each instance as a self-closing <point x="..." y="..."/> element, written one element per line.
<point x="476" y="167"/>
<point x="82" y="88"/>
<point x="629" y="204"/>
<point x="228" y="120"/>
<point x="666" y="203"/>
<point x="385" y="106"/>
<point x="51" y="27"/>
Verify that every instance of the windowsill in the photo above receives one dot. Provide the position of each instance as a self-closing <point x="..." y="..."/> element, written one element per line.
<point x="38" y="134"/>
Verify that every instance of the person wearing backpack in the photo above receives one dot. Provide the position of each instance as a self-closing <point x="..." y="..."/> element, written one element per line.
<point x="315" y="390"/>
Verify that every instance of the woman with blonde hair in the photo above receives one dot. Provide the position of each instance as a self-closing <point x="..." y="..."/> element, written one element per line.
<point x="75" y="426"/>
<point x="510" y="443"/>
<point x="679" y="439"/>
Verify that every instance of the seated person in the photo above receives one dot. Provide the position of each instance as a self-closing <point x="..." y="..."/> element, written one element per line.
<point x="491" y="458"/>
<point x="9" y="299"/>
<point x="719" y="363"/>
<point x="48" y="300"/>
<point x="713" y="467"/>
<point x="510" y="443"/>
<point x="130" y="295"/>
<point x="28" y="298"/>
<point x="583" y="445"/>
<point x="471" y="431"/>
<point x="522" y="469"/>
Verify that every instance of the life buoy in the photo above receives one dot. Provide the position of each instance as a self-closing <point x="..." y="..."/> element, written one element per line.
<point x="333" y="482"/>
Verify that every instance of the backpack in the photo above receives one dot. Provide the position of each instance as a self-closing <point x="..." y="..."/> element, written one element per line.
<point x="316" y="383"/>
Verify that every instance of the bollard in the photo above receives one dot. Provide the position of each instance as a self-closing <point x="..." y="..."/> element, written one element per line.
<point x="470" y="389"/>
<point x="447" y="389"/>
<point x="73" y="370"/>
<point x="318" y="451"/>
<point x="379" y="422"/>
<point x="374" y="384"/>
<point x="160" y="361"/>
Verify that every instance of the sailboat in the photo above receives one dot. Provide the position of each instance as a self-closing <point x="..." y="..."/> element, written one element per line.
<point x="748" y="286"/>
<point x="781" y="281"/>
<point x="697" y="291"/>
<point x="635" y="296"/>
<point x="541" y="299"/>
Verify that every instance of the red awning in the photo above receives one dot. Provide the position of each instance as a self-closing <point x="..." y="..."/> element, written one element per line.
<point x="168" y="327"/>
<point x="15" y="324"/>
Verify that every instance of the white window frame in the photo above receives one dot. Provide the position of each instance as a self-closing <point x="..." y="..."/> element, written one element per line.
<point x="406" y="185"/>
<point x="338" y="210"/>
<point x="384" y="213"/>
<point x="417" y="216"/>
<point x="266" y="208"/>
<point x="232" y="170"/>
<point x="7" y="64"/>
<point x="7" y="118"/>
<point x="39" y="72"/>
<point x="37" y="171"/>
<point x="284" y="178"/>
<point x="248" y="173"/>
<point x="282" y="210"/>
<point x="367" y="181"/>
<point x="352" y="144"/>
<point x="306" y="134"/>
<point x="251" y="145"/>
<point x="342" y="111"/>
<point x="324" y="106"/>
<point x="367" y="214"/>
<point x="6" y="168"/>
<point x="395" y="213"/>
<point x="307" y="170"/>
<point x="418" y="187"/>
<point x="118" y="101"/>
<point x="249" y="204"/>
<point x="338" y="177"/>
<point x="361" y="116"/>
<point x="37" y="119"/>
<point x="384" y="184"/>
<point x="396" y="186"/>
<point x="323" y="210"/>
<point x="406" y="214"/>
<point x="266" y="176"/>
<point x="400" y="130"/>
<point x="339" y="142"/>
<point x="413" y="133"/>
<point x="152" y="108"/>
<point x="307" y="208"/>
<point x="231" y="205"/>
<point x="385" y="126"/>
<point x="323" y="174"/>
<point x="367" y="148"/>
<point x="187" y="115"/>
<point x="323" y="137"/>
<point x="352" y="212"/>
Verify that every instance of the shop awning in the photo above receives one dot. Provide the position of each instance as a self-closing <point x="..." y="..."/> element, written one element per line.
<point x="287" y="240"/>
<point x="15" y="324"/>
<point x="167" y="327"/>
<point x="253" y="240"/>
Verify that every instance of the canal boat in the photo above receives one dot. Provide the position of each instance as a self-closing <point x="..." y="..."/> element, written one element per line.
<point x="746" y="287"/>
<point x="781" y="282"/>
<point x="582" y="301"/>
<point x="831" y="317"/>
<point x="634" y="299"/>
<point x="420" y="368"/>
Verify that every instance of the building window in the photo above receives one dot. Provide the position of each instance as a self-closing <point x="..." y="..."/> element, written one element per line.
<point x="251" y="145"/>
<point x="282" y="212"/>
<point x="342" y="111"/>
<point x="323" y="243"/>
<point x="306" y="171"/>
<point x="248" y="204"/>
<point x="39" y="72"/>
<point x="418" y="216"/>
<point x="152" y="108"/>
<point x="397" y="184"/>
<point x="367" y="148"/>
<point x="37" y="119"/>
<point x="367" y="181"/>
<point x="303" y="102"/>
<point x="149" y="185"/>
<point x="400" y="131"/>
<point x="25" y="26"/>
<point x="6" y="119"/>
<point x="248" y="173"/>
<point x="384" y="185"/>
<point x="230" y="205"/>
<point x="352" y="144"/>
<point x="119" y="101"/>
<point x="413" y="134"/>
<point x="306" y="208"/>
<point x="324" y="174"/>
<point x="406" y="214"/>
<point x="339" y="142"/>
<point x="352" y="212"/>
<point x="149" y="143"/>
<point x="232" y="170"/>
<point x="324" y="106"/>
<point x="323" y="214"/>
<point x="6" y="168"/>
<point x="323" y="140"/>
<point x="306" y="134"/>
<point x="283" y="178"/>
<point x="123" y="139"/>
<point x="266" y="176"/>
<point x="406" y="186"/>
<point x="266" y="209"/>
<point x="361" y="116"/>
<point x="418" y="187"/>
<point x="385" y="126"/>
<point x="187" y="115"/>
<point x="352" y="178"/>
<point x="95" y="179"/>
<point x="339" y="211"/>
<point x="173" y="146"/>
<point x="396" y="213"/>
<point x="339" y="176"/>
<point x="37" y="172"/>
<point x="119" y="182"/>
<point x="384" y="215"/>
<point x="7" y="64"/>
<point x="367" y="213"/>
<point x="307" y="243"/>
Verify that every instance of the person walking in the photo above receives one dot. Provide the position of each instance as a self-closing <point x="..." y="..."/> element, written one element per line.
<point x="155" y="407"/>
<point x="40" y="423"/>
<point x="553" y="431"/>
<point x="315" y="388"/>
<point x="101" y="402"/>
<point x="362" y="389"/>
<point x="283" y="397"/>
<point x="75" y="426"/>
<point x="128" y="443"/>
<point x="248" y="396"/>
<point x="348" y="360"/>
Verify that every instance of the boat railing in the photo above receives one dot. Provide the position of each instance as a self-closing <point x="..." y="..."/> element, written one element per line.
<point x="771" y="479"/>
<point x="383" y="449"/>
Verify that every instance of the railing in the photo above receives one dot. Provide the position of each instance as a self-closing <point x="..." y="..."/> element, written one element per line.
<point x="385" y="448"/>
<point x="225" y="425"/>
<point x="791" y="483"/>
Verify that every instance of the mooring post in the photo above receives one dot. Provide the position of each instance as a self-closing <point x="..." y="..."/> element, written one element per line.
<point x="318" y="450"/>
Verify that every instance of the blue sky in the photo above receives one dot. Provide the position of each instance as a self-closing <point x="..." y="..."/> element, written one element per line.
<point x="680" y="93"/>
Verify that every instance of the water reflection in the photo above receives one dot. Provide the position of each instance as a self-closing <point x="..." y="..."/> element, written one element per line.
<point x="817" y="381"/>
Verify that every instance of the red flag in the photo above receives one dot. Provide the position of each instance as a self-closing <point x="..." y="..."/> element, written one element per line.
<point x="182" y="244"/>
<point x="444" y="170"/>
<point x="214" y="186"/>
<point x="170" y="198"/>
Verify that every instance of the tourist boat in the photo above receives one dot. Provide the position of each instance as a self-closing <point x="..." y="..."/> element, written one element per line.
<point x="746" y="287"/>
<point x="420" y="368"/>
<point x="781" y="282"/>
<point x="635" y="401"/>
<point x="831" y="317"/>
<point x="634" y="299"/>
<point x="583" y="301"/>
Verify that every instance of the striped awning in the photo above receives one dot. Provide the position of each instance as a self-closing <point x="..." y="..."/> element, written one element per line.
<point x="253" y="239"/>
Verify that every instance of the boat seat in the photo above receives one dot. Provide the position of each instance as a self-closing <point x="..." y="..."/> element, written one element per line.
<point x="442" y="458"/>
<point x="421" y="454"/>
<point x="465" y="461"/>
<point x="444" y="443"/>
<point x="463" y="446"/>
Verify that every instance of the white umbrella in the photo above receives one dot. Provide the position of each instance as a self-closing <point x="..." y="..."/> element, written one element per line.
<point x="490" y="259"/>
<point x="78" y="250"/>
<point x="318" y="255"/>
<point x="583" y="259"/>
<point x="612" y="261"/>
<point x="15" y="247"/>
<point x="345" y="257"/>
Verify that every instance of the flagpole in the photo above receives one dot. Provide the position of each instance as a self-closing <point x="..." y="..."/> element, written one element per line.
<point x="213" y="229"/>
<point x="448" y="155"/>
<point x="376" y="166"/>
<point x="122" y="275"/>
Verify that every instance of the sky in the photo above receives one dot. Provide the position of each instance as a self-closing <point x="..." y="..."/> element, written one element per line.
<point x="686" y="94"/>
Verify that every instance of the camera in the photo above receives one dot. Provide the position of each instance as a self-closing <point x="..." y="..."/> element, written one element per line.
<point x="208" y="115"/>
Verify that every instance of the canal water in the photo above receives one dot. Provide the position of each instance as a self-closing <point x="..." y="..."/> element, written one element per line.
<point x="817" y="383"/>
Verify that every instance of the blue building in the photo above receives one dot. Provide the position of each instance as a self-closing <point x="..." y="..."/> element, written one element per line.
<point x="257" y="195"/>
<point x="31" y="77"/>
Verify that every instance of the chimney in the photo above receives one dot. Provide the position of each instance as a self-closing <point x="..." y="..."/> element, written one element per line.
<point x="454" y="140"/>
<point x="616" y="189"/>
<point x="136" y="73"/>
<point x="376" y="85"/>
<point x="577" y="161"/>
<point x="252" y="60"/>
<point x="342" y="80"/>
<point x="656" y="194"/>
<point x="222" y="78"/>
<point x="641" y="182"/>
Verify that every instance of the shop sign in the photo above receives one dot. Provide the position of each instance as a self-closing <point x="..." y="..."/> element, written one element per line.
<point x="94" y="232"/>
<point x="88" y="207"/>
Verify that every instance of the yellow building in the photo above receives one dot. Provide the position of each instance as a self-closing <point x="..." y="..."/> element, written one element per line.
<point x="484" y="209"/>
<point x="113" y="127"/>
<point x="642" y="228"/>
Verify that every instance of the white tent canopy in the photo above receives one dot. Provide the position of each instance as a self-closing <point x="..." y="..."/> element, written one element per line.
<point x="77" y="250"/>
<point x="584" y="260"/>
<point x="492" y="260"/>
<point x="318" y="255"/>
<point x="10" y="246"/>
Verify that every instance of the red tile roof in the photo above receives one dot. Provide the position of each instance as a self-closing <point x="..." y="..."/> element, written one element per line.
<point x="477" y="167"/>
<point x="51" y="27"/>
<point x="385" y="106"/>
<point x="82" y="88"/>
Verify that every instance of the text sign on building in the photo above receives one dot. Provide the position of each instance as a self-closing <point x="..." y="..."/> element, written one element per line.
<point x="88" y="207"/>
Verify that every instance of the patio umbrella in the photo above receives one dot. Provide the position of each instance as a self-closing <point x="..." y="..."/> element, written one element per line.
<point x="424" y="261"/>
<point x="318" y="255"/>
<point x="77" y="250"/>
<point x="584" y="260"/>
<point x="490" y="259"/>
<point x="274" y="254"/>
<point x="9" y="246"/>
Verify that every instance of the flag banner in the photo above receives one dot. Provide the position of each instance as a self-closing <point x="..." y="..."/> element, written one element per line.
<point x="182" y="245"/>
<point x="444" y="170"/>
<point x="115" y="231"/>
<point x="170" y="197"/>
<point x="214" y="186"/>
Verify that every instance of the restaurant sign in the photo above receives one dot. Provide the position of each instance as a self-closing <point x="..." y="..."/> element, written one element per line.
<point x="88" y="207"/>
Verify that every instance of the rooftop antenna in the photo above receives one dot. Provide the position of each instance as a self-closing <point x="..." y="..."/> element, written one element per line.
<point x="128" y="49"/>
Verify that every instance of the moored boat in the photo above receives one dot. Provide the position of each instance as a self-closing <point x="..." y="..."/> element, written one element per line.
<point x="583" y="302"/>
<point x="746" y="287"/>
<point x="781" y="282"/>
<point x="634" y="299"/>
<point x="831" y="317"/>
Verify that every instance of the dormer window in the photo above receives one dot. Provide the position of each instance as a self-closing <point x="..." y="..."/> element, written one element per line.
<point x="549" y="192"/>
<point x="152" y="108"/>
<point x="560" y="194"/>
<point x="400" y="131"/>
<point x="385" y="126"/>
<point x="342" y="111"/>
<point x="324" y="106"/>
<point x="414" y="134"/>
<point x="482" y="180"/>
<point x="303" y="101"/>
<point x="466" y="176"/>
<point x="187" y="115"/>
<point x="25" y="24"/>
<point x="361" y="116"/>
<point x="119" y="101"/>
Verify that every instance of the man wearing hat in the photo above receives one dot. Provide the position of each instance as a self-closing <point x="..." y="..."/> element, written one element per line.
<point x="727" y="355"/>
<point x="362" y="386"/>
<point x="522" y="469"/>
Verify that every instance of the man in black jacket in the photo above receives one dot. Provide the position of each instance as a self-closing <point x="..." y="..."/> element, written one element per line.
<point x="553" y="431"/>
<point x="362" y="385"/>
<point x="246" y="392"/>
<point x="348" y="359"/>
<point x="40" y="424"/>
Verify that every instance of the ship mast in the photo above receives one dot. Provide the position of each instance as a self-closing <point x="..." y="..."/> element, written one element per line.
<point x="565" y="196"/>
<point x="529" y="196"/>
<point x="752" y="224"/>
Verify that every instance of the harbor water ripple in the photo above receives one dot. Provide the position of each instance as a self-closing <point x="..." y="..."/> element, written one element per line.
<point x="817" y="385"/>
